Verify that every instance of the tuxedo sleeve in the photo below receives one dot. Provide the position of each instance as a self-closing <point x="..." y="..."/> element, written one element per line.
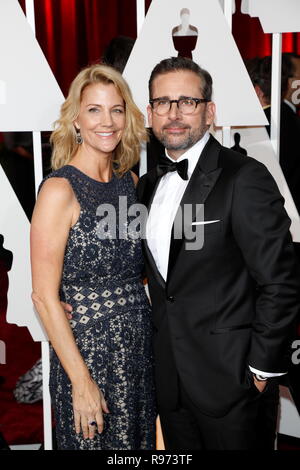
<point x="261" y="229"/>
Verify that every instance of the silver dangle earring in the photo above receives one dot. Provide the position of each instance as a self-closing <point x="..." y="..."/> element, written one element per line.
<point x="79" y="139"/>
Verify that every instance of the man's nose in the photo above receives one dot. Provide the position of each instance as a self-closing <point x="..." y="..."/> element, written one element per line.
<point x="174" y="112"/>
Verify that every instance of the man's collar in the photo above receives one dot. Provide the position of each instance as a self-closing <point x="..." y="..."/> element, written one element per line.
<point x="291" y="105"/>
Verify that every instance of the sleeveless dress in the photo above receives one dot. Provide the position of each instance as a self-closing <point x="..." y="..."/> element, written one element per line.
<point x="111" y="320"/>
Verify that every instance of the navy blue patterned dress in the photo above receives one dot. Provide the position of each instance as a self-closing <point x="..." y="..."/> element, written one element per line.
<point x="111" y="321"/>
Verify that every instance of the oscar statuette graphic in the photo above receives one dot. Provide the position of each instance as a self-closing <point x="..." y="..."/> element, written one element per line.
<point x="185" y="35"/>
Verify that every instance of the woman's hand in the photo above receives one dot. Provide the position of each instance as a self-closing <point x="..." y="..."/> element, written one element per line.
<point x="89" y="405"/>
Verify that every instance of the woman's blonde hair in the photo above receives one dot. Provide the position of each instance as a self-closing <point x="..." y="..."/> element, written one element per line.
<point x="63" y="138"/>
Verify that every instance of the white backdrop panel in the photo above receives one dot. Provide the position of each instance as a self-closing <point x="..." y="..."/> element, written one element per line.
<point x="15" y="228"/>
<point x="233" y="8"/>
<point x="215" y="50"/>
<point x="276" y="16"/>
<point x="30" y="97"/>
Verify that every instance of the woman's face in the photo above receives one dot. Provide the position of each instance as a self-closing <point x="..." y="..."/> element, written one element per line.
<point x="101" y="118"/>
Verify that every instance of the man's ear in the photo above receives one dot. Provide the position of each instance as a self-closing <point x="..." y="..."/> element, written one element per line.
<point x="149" y="113"/>
<point x="210" y="113"/>
<point x="259" y="92"/>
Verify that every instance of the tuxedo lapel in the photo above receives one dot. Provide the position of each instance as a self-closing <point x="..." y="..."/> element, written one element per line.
<point x="201" y="183"/>
<point x="153" y="266"/>
<point x="150" y="183"/>
<point x="149" y="190"/>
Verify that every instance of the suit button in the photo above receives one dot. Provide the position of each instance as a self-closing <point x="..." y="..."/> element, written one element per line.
<point x="171" y="299"/>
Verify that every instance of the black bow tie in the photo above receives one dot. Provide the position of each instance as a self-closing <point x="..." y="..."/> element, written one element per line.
<point x="165" y="165"/>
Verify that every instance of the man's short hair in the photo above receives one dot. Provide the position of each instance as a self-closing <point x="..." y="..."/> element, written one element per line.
<point x="260" y="71"/>
<point x="118" y="51"/>
<point x="289" y="64"/>
<point x="175" y="64"/>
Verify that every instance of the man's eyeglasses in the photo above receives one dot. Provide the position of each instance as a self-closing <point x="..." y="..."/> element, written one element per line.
<point x="186" y="105"/>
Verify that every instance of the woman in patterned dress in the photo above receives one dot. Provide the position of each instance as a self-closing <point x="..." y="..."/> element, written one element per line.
<point x="101" y="376"/>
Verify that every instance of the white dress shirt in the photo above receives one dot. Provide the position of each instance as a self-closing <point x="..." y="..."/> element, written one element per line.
<point x="165" y="205"/>
<point x="163" y="211"/>
<point x="291" y="105"/>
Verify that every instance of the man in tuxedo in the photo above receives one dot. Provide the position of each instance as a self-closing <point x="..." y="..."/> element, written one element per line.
<point x="291" y="67"/>
<point x="224" y="308"/>
<point x="260" y="71"/>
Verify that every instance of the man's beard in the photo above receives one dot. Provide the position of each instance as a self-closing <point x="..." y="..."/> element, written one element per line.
<point x="191" y="139"/>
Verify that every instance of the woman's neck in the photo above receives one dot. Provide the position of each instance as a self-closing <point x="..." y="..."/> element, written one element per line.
<point x="95" y="165"/>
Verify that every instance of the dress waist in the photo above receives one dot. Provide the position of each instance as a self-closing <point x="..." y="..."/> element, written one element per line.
<point x="96" y="281"/>
<point x="101" y="301"/>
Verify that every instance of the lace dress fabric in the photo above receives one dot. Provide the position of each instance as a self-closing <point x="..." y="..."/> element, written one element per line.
<point x="111" y="320"/>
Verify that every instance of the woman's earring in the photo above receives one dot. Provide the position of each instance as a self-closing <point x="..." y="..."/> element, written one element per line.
<point x="79" y="139"/>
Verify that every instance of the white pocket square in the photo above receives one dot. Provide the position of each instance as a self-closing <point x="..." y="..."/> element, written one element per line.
<point x="204" y="222"/>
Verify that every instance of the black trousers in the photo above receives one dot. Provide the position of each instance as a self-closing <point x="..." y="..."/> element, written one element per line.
<point x="250" y="425"/>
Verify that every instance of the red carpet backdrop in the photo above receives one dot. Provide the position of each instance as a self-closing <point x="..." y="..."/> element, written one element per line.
<point x="72" y="34"/>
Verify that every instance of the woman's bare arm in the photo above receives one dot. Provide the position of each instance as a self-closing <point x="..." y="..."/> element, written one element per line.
<point x="54" y="214"/>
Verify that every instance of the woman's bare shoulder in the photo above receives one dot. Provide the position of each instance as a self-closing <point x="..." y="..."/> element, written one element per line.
<point x="56" y="189"/>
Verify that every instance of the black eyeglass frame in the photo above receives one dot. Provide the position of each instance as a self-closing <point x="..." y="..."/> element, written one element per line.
<point x="196" y="100"/>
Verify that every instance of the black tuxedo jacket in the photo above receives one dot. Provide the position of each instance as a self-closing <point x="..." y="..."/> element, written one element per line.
<point x="234" y="301"/>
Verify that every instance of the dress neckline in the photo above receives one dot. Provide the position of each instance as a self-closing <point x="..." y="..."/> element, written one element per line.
<point x="92" y="179"/>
